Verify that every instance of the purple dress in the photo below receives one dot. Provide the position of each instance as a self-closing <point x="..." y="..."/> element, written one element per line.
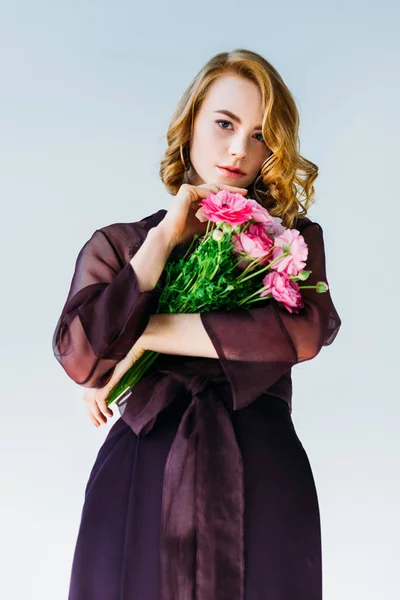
<point x="202" y="489"/>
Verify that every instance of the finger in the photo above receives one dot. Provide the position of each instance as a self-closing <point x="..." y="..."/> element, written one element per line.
<point x="107" y="412"/>
<point x="202" y="191"/>
<point x="97" y="413"/>
<point x="228" y="187"/>
<point x="234" y="188"/>
<point x="92" y="417"/>
<point x="213" y="188"/>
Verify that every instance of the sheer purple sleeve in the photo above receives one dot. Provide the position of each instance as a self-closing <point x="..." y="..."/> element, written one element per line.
<point x="256" y="346"/>
<point x="104" y="314"/>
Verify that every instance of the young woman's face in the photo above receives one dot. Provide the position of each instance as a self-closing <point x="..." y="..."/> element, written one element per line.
<point x="220" y="140"/>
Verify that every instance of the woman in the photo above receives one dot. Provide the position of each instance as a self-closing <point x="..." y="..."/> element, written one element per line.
<point x="202" y="489"/>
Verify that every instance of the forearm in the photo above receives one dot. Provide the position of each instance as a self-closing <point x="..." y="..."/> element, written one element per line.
<point x="178" y="333"/>
<point x="150" y="259"/>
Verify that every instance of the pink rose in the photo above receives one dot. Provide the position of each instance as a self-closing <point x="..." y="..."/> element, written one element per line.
<point x="226" y="207"/>
<point x="255" y="242"/>
<point x="294" y="262"/>
<point x="284" y="290"/>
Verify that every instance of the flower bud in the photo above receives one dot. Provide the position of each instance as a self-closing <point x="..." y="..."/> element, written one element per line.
<point x="303" y="275"/>
<point x="226" y="228"/>
<point x="217" y="235"/>
<point x="321" y="287"/>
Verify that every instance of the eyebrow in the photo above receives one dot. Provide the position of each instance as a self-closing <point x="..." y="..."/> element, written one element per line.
<point x="230" y="114"/>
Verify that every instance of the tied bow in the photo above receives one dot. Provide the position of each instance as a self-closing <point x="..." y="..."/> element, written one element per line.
<point x="202" y="533"/>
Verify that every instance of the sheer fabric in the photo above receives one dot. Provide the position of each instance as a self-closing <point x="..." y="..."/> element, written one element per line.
<point x="259" y="345"/>
<point x="105" y="312"/>
<point x="202" y="515"/>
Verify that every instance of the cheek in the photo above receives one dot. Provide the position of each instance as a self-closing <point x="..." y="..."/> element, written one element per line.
<point x="259" y="157"/>
<point x="212" y="135"/>
<point x="205" y="140"/>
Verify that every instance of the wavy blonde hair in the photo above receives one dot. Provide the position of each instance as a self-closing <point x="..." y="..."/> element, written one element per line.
<point x="284" y="184"/>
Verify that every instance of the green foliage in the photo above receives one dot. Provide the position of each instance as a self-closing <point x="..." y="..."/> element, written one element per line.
<point x="206" y="280"/>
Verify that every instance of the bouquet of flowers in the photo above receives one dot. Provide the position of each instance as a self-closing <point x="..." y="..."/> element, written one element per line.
<point x="245" y="256"/>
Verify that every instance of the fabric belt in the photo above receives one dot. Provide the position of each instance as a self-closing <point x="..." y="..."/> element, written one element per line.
<point x="202" y="531"/>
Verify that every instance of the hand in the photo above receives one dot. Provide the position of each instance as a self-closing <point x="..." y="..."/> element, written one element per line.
<point x="181" y="222"/>
<point x="95" y="398"/>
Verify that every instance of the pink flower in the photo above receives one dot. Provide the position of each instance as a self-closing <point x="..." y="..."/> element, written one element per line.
<point x="259" y="214"/>
<point x="284" y="290"/>
<point x="294" y="262"/>
<point x="275" y="228"/>
<point x="273" y="225"/>
<point x="226" y="207"/>
<point x="255" y="242"/>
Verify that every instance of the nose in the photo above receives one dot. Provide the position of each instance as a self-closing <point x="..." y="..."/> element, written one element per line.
<point x="238" y="146"/>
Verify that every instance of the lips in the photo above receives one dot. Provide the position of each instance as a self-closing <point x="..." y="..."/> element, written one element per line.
<point x="231" y="174"/>
<point x="232" y="169"/>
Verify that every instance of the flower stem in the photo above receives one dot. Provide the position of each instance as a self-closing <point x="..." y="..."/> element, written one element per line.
<point x="240" y="279"/>
<point x="132" y="376"/>
<point x="256" y="293"/>
<point x="218" y="260"/>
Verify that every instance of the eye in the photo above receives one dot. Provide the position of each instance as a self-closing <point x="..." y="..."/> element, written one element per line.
<point x="261" y="139"/>
<point x="223" y="121"/>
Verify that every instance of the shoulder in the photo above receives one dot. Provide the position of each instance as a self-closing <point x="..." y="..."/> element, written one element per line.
<point x="302" y="223"/>
<point x="125" y="238"/>
<point x="143" y="224"/>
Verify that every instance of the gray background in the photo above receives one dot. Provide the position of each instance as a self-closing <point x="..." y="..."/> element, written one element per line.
<point x="87" y="93"/>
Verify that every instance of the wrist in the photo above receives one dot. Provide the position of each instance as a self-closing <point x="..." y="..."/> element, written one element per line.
<point x="149" y="334"/>
<point x="161" y="231"/>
